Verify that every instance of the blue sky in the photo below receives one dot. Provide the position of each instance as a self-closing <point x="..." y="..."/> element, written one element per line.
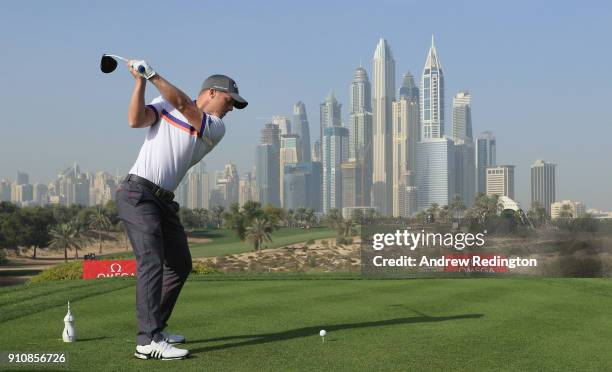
<point x="539" y="74"/>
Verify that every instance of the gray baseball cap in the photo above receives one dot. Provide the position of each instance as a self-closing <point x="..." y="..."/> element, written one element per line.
<point x="225" y="84"/>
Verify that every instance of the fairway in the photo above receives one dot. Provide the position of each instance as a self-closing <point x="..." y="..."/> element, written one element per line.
<point x="273" y="324"/>
<point x="226" y="242"/>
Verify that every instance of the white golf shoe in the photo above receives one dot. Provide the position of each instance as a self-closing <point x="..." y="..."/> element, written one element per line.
<point x="160" y="350"/>
<point x="173" y="339"/>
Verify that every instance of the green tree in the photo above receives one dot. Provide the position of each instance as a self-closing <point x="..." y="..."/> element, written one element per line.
<point x="65" y="237"/>
<point x="252" y="210"/>
<point x="434" y="210"/>
<point x="348" y="228"/>
<point x="444" y="214"/>
<point x="260" y="231"/>
<point x="310" y="218"/>
<point x="334" y="218"/>
<point x="235" y="220"/>
<point x="357" y="216"/>
<point x="274" y="215"/>
<point x="12" y="229"/>
<point x="538" y="214"/>
<point x="217" y="215"/>
<point x="188" y="218"/>
<point x="110" y="209"/>
<point x="36" y="221"/>
<point x="289" y="218"/>
<point x="99" y="222"/>
<point x="457" y="207"/>
<point x="203" y="217"/>
<point x="566" y="211"/>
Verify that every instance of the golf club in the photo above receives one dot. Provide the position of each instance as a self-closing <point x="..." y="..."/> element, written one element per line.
<point x="108" y="63"/>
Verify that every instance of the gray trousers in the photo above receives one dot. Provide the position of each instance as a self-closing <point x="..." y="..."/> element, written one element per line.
<point x="163" y="260"/>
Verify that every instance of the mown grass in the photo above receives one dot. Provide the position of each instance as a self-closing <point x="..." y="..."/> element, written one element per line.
<point x="271" y="322"/>
<point x="226" y="242"/>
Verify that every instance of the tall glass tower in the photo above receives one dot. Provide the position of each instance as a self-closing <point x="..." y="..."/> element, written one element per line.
<point x="486" y="149"/>
<point x="360" y="135"/>
<point x="302" y="129"/>
<point x="382" y="99"/>
<point x="543" y="184"/>
<point x="432" y="96"/>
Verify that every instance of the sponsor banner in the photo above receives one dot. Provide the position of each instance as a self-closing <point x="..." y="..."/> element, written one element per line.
<point x="475" y="262"/>
<point x="95" y="269"/>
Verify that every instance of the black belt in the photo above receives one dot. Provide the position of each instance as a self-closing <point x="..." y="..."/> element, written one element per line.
<point x="161" y="193"/>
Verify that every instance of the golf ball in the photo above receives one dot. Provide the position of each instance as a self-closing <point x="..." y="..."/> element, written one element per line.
<point x="322" y="333"/>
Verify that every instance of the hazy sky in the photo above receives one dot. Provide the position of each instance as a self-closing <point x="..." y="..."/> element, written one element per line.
<point x="539" y="75"/>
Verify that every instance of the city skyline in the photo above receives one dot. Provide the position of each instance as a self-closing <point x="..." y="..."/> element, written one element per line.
<point x="492" y="63"/>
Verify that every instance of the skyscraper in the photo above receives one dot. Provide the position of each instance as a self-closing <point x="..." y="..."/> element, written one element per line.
<point x="246" y="189"/>
<point x="22" y="178"/>
<point x="5" y="191"/>
<point x="268" y="166"/>
<point x="382" y="98"/>
<point x="405" y="124"/>
<point x="435" y="175"/>
<point x="283" y="122"/>
<point x="288" y="154"/>
<point x="228" y="184"/>
<point x="302" y="129"/>
<point x="485" y="157"/>
<point x="361" y="92"/>
<point x="360" y="134"/>
<point x="465" y="163"/>
<point x="316" y="151"/>
<point x="432" y="96"/>
<point x="500" y="181"/>
<point x="409" y="88"/>
<point x="331" y="115"/>
<point x="303" y="185"/>
<point x="462" y="116"/>
<point x="335" y="152"/>
<point x="543" y="184"/>
<point x="198" y="187"/>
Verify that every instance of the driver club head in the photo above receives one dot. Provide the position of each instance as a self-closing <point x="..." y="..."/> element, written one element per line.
<point x="107" y="64"/>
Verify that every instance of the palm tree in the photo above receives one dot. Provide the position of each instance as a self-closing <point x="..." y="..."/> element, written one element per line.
<point x="458" y="207"/>
<point x="348" y="228"/>
<point x="100" y="222"/>
<point x="202" y="217"/>
<point x="64" y="236"/>
<point x="566" y="211"/>
<point x="260" y="231"/>
<point x="444" y="213"/>
<point x="334" y="218"/>
<point x="310" y="217"/>
<point x="217" y="214"/>
<point x="235" y="220"/>
<point x="434" y="210"/>
<point x="289" y="218"/>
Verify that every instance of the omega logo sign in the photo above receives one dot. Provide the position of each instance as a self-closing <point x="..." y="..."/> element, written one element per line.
<point x="115" y="270"/>
<point x="98" y="269"/>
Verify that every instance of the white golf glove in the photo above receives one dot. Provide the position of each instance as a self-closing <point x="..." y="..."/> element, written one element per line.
<point x="143" y="69"/>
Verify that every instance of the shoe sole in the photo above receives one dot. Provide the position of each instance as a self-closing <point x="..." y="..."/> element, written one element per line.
<point x="148" y="356"/>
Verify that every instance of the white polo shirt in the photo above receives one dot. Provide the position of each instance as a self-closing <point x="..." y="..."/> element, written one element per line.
<point x="172" y="146"/>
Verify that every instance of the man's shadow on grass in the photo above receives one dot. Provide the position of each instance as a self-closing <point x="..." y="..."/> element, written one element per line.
<point x="263" y="338"/>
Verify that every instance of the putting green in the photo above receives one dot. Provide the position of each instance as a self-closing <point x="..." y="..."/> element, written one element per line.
<point x="240" y="323"/>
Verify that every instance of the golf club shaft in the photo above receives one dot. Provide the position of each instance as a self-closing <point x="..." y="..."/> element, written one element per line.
<point x="118" y="57"/>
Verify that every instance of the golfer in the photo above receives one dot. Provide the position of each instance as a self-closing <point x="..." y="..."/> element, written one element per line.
<point x="180" y="133"/>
